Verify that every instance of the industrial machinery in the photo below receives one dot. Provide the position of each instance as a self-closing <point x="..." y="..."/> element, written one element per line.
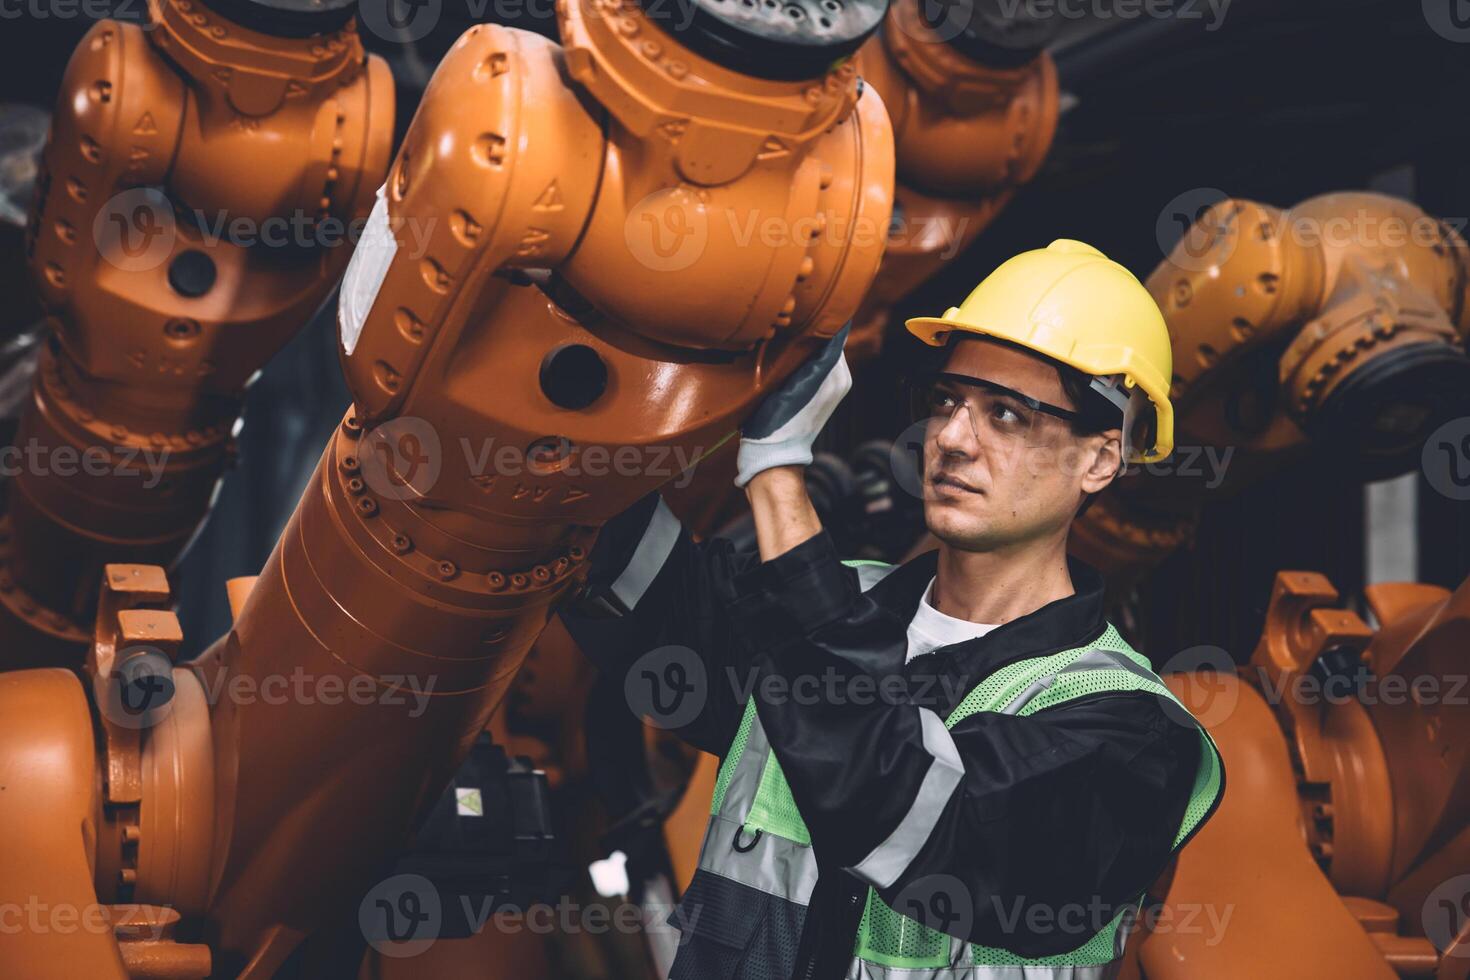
<point x="1347" y="750"/>
<point x="576" y="285"/>
<point x="1339" y="323"/>
<point x="973" y="99"/>
<point x="1336" y="327"/>
<point x="586" y="262"/>
<point x="192" y="212"/>
<point x="973" y="104"/>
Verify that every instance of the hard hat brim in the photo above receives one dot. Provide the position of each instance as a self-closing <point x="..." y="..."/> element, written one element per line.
<point x="930" y="329"/>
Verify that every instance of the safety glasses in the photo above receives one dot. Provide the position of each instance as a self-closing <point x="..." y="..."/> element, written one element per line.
<point x="997" y="415"/>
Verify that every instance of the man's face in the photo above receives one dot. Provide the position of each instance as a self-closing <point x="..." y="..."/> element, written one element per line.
<point x="996" y="473"/>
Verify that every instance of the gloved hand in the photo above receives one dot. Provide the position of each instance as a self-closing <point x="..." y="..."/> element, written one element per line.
<point x="781" y="430"/>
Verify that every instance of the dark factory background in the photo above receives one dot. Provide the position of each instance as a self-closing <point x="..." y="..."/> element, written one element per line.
<point x="1280" y="100"/>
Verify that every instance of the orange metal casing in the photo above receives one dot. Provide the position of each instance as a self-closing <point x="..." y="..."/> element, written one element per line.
<point x="1423" y="729"/>
<point x="1270" y="916"/>
<point x="1352" y="805"/>
<point x="1321" y="289"/>
<point x="1247" y="275"/>
<point x="445" y="574"/>
<point x="193" y="135"/>
<point x="48" y="818"/>
<point x="966" y="135"/>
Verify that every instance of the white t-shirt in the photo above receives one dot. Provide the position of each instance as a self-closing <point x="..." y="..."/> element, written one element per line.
<point x="931" y="629"/>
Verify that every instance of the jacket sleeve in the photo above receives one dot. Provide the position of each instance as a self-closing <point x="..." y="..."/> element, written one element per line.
<point x="1024" y="832"/>
<point x="656" y="611"/>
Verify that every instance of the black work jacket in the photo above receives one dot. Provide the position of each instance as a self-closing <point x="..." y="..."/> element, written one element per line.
<point x="1076" y="803"/>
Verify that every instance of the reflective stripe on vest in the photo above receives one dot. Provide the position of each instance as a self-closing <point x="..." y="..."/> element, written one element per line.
<point x="736" y="844"/>
<point x="756" y="835"/>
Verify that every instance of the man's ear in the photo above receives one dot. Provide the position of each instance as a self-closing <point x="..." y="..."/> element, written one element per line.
<point x="1105" y="462"/>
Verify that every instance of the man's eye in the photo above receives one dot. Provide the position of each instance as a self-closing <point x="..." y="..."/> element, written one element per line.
<point x="1005" y="414"/>
<point x="942" y="400"/>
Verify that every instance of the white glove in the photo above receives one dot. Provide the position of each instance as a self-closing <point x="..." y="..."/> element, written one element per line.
<point x="781" y="430"/>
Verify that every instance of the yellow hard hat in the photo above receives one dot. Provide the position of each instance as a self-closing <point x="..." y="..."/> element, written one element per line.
<point x="1073" y="304"/>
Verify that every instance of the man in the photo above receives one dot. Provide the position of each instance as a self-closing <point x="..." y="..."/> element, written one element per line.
<point x="952" y="768"/>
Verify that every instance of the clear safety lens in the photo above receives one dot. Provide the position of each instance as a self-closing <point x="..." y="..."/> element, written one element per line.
<point x="1000" y="418"/>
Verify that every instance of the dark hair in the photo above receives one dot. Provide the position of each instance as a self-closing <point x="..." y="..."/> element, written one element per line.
<point x="1094" y="412"/>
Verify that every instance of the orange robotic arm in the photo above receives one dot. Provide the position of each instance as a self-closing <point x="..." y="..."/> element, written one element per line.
<point x="1349" y="759"/>
<point x="626" y="167"/>
<point x="558" y="297"/>
<point x="1340" y="322"/>
<point x="198" y="195"/>
<point x="974" y="106"/>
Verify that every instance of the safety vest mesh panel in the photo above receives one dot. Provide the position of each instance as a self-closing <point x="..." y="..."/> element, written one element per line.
<point x="1101" y="948"/>
<point x="896" y="940"/>
<point x="1206" y="788"/>
<point x="732" y="757"/>
<point x="887" y="937"/>
<point x="774" y="810"/>
<point x="1098" y="681"/>
<point x="998" y="690"/>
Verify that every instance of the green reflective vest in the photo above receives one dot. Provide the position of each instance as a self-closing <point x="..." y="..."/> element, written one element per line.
<point x="756" y="835"/>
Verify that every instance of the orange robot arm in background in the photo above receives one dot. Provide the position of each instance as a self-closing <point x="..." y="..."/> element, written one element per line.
<point x="1340" y="322"/>
<point x="559" y="270"/>
<point x="198" y="193"/>
<point x="1349" y="751"/>
<point x="1336" y="325"/>
<point x="974" y="111"/>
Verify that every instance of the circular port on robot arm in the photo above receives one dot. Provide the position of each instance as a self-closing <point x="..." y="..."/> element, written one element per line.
<point x="787" y="40"/>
